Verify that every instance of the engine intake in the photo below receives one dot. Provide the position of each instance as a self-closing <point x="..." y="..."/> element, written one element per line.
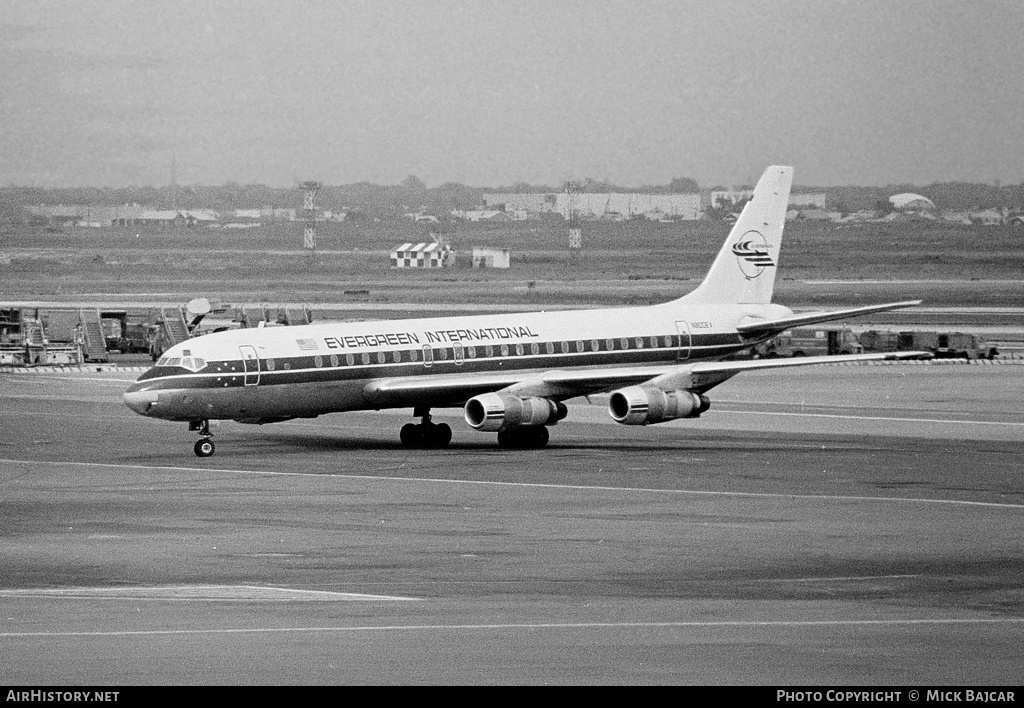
<point x="491" y="412"/>
<point x="642" y="405"/>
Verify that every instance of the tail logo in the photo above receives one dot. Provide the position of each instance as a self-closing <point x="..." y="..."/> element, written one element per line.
<point x="751" y="251"/>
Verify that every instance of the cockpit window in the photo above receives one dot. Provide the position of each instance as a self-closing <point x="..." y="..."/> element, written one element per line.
<point x="188" y="362"/>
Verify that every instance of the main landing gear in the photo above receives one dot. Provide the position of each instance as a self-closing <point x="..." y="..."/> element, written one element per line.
<point x="204" y="447"/>
<point x="425" y="434"/>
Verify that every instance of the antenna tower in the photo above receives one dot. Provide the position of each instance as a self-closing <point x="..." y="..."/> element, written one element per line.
<point x="311" y="189"/>
<point x="572" y="190"/>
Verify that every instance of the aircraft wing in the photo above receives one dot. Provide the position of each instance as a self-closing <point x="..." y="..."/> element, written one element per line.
<point x="700" y="376"/>
<point x="456" y="389"/>
<point x="759" y="328"/>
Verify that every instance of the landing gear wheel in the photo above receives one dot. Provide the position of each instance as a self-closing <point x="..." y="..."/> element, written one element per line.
<point x="411" y="435"/>
<point x="204" y="447"/>
<point x="540" y="436"/>
<point x="426" y="435"/>
<point x="442" y="435"/>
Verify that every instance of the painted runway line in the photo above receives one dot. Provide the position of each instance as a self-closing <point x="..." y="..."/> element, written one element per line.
<point x="522" y="485"/>
<point x="205" y="593"/>
<point x="725" y="624"/>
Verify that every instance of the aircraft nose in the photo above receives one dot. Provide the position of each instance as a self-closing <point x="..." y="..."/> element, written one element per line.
<point x="140" y="401"/>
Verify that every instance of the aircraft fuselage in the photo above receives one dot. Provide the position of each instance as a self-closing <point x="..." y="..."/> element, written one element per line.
<point x="276" y="373"/>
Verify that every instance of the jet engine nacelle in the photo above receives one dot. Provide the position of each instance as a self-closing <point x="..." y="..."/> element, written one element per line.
<point x="640" y="405"/>
<point x="491" y="412"/>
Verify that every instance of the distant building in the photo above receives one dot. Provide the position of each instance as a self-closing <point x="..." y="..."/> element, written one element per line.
<point x="492" y="258"/>
<point x="989" y="217"/>
<point x="483" y="215"/>
<point x="182" y="217"/>
<point x="532" y="203"/>
<point x="90" y="216"/>
<point x="725" y="197"/>
<point x="600" y="205"/>
<point x="911" y="202"/>
<point x="810" y="200"/>
<point x="423" y="255"/>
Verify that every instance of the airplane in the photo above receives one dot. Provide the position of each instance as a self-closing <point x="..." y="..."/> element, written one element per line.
<point x="511" y="373"/>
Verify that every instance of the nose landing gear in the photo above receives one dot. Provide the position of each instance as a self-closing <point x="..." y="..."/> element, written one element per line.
<point x="204" y="447"/>
<point x="425" y="434"/>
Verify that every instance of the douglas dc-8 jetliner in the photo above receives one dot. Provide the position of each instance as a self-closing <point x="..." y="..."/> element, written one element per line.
<point x="511" y="373"/>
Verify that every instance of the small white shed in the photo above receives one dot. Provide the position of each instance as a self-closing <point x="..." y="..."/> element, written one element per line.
<point x="492" y="258"/>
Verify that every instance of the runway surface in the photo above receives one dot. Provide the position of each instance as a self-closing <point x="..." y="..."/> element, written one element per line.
<point x="835" y="525"/>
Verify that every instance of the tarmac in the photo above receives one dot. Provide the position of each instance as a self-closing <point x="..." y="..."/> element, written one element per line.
<point x="828" y="526"/>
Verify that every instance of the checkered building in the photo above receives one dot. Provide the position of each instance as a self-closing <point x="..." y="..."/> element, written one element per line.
<point x="422" y="255"/>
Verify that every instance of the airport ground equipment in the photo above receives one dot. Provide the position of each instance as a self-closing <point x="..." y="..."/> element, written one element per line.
<point x="170" y="329"/>
<point x="942" y="345"/>
<point x="24" y="340"/>
<point x="293" y="316"/>
<point x="812" y="341"/>
<point x="94" y="342"/>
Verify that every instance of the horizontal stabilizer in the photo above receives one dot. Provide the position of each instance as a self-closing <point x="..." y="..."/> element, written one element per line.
<point x="762" y="327"/>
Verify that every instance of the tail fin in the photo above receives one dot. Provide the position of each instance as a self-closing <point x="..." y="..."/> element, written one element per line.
<point x="744" y="270"/>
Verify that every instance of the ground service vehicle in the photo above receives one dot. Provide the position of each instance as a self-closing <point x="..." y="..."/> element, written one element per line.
<point x="812" y="341"/>
<point x="943" y="345"/>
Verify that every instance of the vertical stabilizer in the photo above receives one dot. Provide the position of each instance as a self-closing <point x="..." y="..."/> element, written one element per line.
<point x="744" y="270"/>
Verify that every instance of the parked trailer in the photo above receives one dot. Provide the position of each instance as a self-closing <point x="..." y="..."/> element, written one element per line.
<point x="812" y="341"/>
<point x="943" y="345"/>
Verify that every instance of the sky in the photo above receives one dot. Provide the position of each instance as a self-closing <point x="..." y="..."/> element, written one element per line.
<point x="112" y="93"/>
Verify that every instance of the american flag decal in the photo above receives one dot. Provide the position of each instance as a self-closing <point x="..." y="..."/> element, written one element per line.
<point x="307" y="345"/>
